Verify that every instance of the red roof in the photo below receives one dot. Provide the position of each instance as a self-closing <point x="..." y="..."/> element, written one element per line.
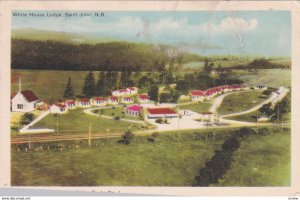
<point x="29" y="95"/>
<point x="143" y="96"/>
<point x="99" y="99"/>
<point x="156" y="111"/>
<point x="134" y="108"/>
<point x="197" y="93"/>
<point x="70" y="102"/>
<point x="60" y="105"/>
<point x="114" y="98"/>
<point x="84" y="100"/>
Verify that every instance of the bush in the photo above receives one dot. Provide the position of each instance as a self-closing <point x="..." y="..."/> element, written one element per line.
<point x="127" y="137"/>
<point x="151" y="139"/>
<point x="116" y="118"/>
<point x="27" y="118"/>
<point x="159" y="121"/>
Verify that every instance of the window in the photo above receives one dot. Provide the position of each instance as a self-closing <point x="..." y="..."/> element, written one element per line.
<point x="20" y="106"/>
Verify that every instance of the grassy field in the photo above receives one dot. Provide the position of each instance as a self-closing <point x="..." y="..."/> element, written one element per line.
<point x="262" y="160"/>
<point x="269" y="77"/>
<point x="77" y="121"/>
<point x="197" y="107"/>
<point x="41" y="82"/>
<point x="116" y="111"/>
<point x="166" y="162"/>
<point x="241" y="101"/>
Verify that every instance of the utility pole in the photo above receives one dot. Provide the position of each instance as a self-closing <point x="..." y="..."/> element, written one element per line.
<point x="29" y="143"/>
<point x="90" y="133"/>
<point x="178" y="119"/>
<point x="256" y="122"/>
<point x="56" y="123"/>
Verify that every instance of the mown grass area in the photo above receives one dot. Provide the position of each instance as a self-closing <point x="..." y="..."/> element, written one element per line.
<point x="268" y="77"/>
<point x="76" y="121"/>
<point x="116" y="111"/>
<point x="196" y="107"/>
<point x="241" y="101"/>
<point x="166" y="162"/>
<point x="262" y="160"/>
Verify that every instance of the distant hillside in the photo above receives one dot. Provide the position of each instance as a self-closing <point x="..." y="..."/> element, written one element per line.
<point x="42" y="35"/>
<point x="56" y="55"/>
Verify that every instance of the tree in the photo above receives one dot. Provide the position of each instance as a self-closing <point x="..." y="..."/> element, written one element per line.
<point x="88" y="89"/>
<point x="153" y="93"/>
<point x="127" y="137"/>
<point x="69" y="91"/>
<point x="26" y="118"/>
<point x="100" y="86"/>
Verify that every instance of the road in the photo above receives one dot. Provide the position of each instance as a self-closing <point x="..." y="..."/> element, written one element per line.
<point x="274" y="98"/>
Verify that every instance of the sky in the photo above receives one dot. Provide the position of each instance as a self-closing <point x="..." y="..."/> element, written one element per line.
<point x="266" y="33"/>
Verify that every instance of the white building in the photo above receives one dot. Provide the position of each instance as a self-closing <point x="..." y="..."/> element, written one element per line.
<point x="127" y="100"/>
<point x="24" y="101"/>
<point x="99" y="101"/>
<point x="197" y="95"/>
<point x="155" y="113"/>
<point x="70" y="104"/>
<point x="113" y="100"/>
<point x="143" y="98"/>
<point x="84" y="103"/>
<point x="58" y="108"/>
<point x="123" y="92"/>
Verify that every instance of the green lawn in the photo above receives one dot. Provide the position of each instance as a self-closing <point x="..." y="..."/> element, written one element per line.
<point x="166" y="162"/>
<point x="116" y="111"/>
<point x="261" y="161"/>
<point x="241" y="101"/>
<point x="77" y="121"/>
<point x="196" y="107"/>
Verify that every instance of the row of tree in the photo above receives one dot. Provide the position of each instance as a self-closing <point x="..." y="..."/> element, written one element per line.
<point x="216" y="167"/>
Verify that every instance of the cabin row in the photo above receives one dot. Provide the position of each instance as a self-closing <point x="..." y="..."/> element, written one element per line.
<point x="27" y="101"/>
<point x="201" y="95"/>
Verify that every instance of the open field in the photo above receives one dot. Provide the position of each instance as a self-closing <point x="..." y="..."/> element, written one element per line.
<point x="43" y="81"/>
<point x="116" y="111"/>
<point x="241" y="101"/>
<point x="268" y="77"/>
<point x="166" y="162"/>
<point x="196" y="107"/>
<point x="262" y="160"/>
<point x="77" y="121"/>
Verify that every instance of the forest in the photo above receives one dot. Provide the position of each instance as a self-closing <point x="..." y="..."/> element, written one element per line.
<point x="54" y="55"/>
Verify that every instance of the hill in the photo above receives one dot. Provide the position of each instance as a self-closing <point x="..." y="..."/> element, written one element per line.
<point x="50" y="50"/>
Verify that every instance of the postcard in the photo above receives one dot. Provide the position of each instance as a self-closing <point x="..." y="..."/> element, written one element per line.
<point x="173" y="98"/>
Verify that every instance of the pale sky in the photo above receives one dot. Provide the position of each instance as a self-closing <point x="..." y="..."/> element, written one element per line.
<point x="265" y="33"/>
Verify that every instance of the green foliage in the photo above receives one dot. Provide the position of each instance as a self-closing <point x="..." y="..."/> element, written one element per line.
<point x="69" y="91"/>
<point x="127" y="137"/>
<point x="54" y="55"/>
<point x="153" y="93"/>
<point x="214" y="169"/>
<point x="26" y="118"/>
<point x="88" y="89"/>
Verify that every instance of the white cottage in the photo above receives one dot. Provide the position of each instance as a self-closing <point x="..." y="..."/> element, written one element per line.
<point x="58" y="108"/>
<point x="70" y="104"/>
<point x="84" y="103"/>
<point x="24" y="101"/>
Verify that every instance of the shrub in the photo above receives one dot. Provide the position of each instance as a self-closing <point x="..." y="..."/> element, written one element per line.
<point x="127" y="137"/>
<point x="27" y="118"/>
<point x="116" y="118"/>
<point x="159" y="121"/>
